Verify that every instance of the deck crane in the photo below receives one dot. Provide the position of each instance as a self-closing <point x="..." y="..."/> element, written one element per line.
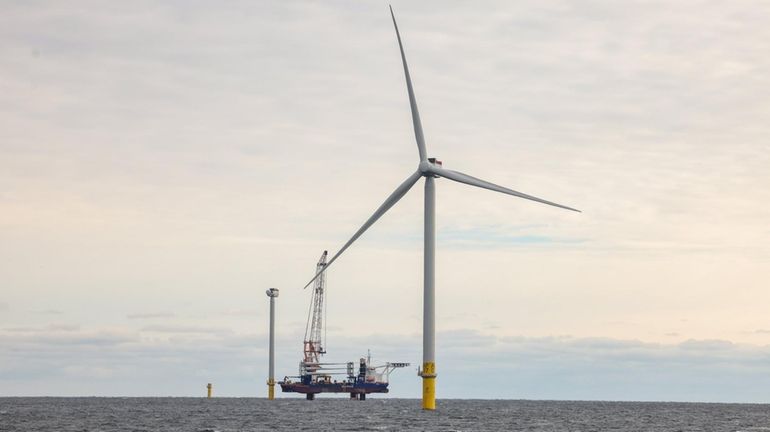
<point x="315" y="336"/>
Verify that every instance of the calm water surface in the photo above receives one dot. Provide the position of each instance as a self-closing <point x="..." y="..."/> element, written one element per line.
<point x="243" y="414"/>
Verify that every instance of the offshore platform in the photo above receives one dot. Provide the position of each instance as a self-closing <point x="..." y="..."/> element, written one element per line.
<point x="316" y="376"/>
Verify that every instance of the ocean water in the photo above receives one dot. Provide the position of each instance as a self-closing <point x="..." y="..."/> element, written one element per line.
<point x="245" y="414"/>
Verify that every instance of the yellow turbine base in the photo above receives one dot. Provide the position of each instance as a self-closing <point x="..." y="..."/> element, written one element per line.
<point x="270" y="390"/>
<point x="429" y="386"/>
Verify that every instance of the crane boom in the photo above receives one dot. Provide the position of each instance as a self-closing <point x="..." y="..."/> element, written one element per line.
<point x="314" y="344"/>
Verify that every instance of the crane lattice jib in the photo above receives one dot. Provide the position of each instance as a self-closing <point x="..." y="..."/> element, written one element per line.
<point x="314" y="331"/>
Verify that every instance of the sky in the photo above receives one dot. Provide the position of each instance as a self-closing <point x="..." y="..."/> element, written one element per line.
<point x="163" y="163"/>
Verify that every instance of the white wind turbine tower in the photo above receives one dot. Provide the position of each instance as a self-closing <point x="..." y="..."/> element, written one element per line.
<point x="429" y="168"/>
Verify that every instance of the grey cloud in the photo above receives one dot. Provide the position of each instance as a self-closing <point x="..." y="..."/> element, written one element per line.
<point x="20" y="329"/>
<point x="151" y="315"/>
<point x="465" y="339"/>
<point x="48" y="312"/>
<point x="185" y="329"/>
<point x="241" y="312"/>
<point x="602" y="368"/>
<point x="556" y="367"/>
<point x="63" y="327"/>
<point x="707" y="345"/>
<point x="553" y="348"/>
<point x="475" y="364"/>
<point x="503" y="237"/>
<point x="56" y="336"/>
<point x="125" y="362"/>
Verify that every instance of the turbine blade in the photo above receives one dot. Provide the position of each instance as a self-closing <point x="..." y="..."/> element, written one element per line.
<point x="412" y="101"/>
<point x="397" y="194"/>
<point x="473" y="181"/>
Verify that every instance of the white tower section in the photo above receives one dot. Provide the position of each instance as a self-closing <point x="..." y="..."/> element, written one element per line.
<point x="272" y="293"/>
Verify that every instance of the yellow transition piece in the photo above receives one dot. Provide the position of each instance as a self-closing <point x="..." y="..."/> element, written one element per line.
<point x="429" y="386"/>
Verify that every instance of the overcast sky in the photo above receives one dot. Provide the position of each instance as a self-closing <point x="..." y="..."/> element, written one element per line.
<point x="162" y="164"/>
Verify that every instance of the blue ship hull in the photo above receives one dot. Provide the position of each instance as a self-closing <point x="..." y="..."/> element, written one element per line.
<point x="334" y="387"/>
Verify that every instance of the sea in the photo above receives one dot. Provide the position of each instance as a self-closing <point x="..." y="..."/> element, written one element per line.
<point x="327" y="414"/>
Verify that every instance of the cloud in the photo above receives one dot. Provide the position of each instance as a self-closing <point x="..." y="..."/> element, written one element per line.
<point x="55" y="336"/>
<point x="706" y="345"/>
<point x="63" y="327"/>
<point x="241" y="312"/>
<point x="48" y="312"/>
<point x="122" y="361"/>
<point x="502" y="236"/>
<point x="181" y="328"/>
<point x="151" y="315"/>
<point x="467" y="339"/>
<point x="470" y="364"/>
<point x="612" y="369"/>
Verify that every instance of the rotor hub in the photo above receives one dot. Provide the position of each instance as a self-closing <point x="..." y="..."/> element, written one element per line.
<point x="426" y="167"/>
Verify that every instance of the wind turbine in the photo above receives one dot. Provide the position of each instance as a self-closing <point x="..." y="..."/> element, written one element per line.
<point x="431" y="169"/>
